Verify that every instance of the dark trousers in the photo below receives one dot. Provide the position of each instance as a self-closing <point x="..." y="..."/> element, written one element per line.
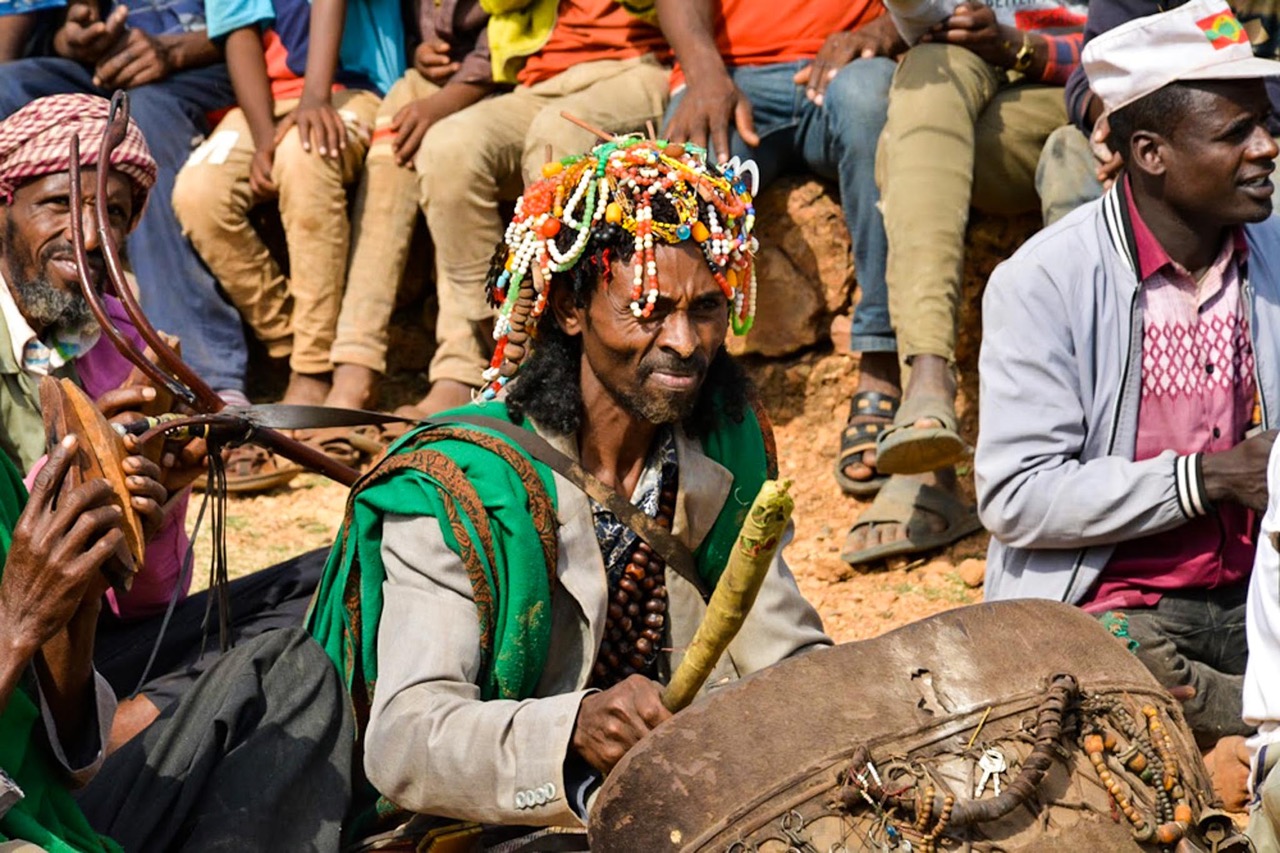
<point x="1197" y="639"/>
<point x="179" y="294"/>
<point x="276" y="597"/>
<point x="257" y="756"/>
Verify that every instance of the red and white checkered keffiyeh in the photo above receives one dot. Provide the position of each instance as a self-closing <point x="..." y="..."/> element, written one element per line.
<point x="36" y="141"/>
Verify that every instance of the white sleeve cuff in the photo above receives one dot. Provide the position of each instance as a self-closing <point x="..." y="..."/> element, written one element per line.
<point x="1192" y="498"/>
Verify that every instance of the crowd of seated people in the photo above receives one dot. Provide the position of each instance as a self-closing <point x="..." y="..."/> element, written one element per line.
<point x="1127" y="382"/>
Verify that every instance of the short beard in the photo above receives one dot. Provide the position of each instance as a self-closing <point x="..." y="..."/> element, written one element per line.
<point x="52" y="309"/>
<point x="548" y="389"/>
<point x="658" y="408"/>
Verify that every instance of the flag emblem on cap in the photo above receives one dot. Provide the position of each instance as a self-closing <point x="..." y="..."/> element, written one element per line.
<point x="1222" y="30"/>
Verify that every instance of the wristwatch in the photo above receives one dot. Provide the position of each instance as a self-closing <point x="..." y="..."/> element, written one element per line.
<point x="1025" y="56"/>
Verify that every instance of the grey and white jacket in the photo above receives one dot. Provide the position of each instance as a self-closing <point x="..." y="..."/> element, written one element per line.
<point x="1060" y="373"/>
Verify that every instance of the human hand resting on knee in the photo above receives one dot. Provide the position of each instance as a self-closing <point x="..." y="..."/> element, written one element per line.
<point x="612" y="721"/>
<point x="878" y="38"/>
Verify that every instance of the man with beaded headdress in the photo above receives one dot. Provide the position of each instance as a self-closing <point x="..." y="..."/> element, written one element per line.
<point x="517" y="631"/>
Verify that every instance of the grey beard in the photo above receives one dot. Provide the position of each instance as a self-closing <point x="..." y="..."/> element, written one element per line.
<point x="54" y="310"/>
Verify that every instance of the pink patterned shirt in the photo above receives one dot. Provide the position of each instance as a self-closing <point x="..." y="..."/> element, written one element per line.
<point x="1198" y="396"/>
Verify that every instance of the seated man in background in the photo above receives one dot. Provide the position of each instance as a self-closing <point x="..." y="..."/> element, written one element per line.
<point x="740" y="63"/>
<point x="176" y="79"/>
<point x="595" y="59"/>
<point x="970" y="108"/>
<point x="195" y="780"/>
<point x="47" y="328"/>
<point x="1126" y="366"/>
<point x="309" y="78"/>
<point x="1077" y="162"/>
<point x="529" y="688"/>
<point x="450" y="72"/>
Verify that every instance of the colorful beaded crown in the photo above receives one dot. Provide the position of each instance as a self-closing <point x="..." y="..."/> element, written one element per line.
<point x="617" y="184"/>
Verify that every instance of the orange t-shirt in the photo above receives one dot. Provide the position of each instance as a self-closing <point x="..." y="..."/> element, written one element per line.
<point x="762" y="32"/>
<point x="589" y="30"/>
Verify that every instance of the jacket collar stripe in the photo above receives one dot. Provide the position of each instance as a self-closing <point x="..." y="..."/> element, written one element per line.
<point x="1120" y="230"/>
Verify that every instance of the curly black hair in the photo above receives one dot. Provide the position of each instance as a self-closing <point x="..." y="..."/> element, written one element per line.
<point x="547" y="387"/>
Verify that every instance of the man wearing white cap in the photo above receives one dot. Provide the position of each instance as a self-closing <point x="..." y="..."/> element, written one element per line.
<point x="1130" y="366"/>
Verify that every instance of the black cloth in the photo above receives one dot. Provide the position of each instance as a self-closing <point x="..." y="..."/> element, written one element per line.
<point x="1196" y="638"/>
<point x="275" y="597"/>
<point x="256" y="756"/>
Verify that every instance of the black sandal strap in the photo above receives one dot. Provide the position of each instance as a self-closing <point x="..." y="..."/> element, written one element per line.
<point x="874" y="404"/>
<point x="856" y="439"/>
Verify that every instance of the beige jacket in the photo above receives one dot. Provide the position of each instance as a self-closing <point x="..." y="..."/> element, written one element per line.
<point x="434" y="747"/>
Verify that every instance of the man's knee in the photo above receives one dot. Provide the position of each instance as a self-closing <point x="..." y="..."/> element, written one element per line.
<point x="1065" y="173"/>
<point x="448" y="160"/>
<point x="293" y="163"/>
<point x="549" y="130"/>
<point x="925" y="67"/>
<point x="202" y="201"/>
<point x="860" y="91"/>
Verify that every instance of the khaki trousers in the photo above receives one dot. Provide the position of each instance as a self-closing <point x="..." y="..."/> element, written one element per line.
<point x="959" y="134"/>
<point x="296" y="316"/>
<point x="381" y="230"/>
<point x="1264" y="812"/>
<point x="477" y="157"/>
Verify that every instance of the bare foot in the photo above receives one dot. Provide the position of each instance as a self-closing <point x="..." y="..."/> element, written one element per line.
<point x="877" y="371"/>
<point x="307" y="389"/>
<point x="444" y="394"/>
<point x="931" y="376"/>
<point x="132" y="716"/>
<point x="922" y="520"/>
<point x="1228" y="766"/>
<point x="354" y="387"/>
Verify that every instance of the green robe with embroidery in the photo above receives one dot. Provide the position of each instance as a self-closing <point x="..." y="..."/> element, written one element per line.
<point x="496" y="509"/>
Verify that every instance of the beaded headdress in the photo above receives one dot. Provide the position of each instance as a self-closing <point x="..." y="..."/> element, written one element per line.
<point x="617" y="184"/>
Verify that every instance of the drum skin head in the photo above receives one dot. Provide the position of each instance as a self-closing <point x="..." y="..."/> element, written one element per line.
<point x="733" y="771"/>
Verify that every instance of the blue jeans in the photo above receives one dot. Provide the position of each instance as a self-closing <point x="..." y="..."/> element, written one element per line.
<point x="837" y="141"/>
<point x="179" y="294"/>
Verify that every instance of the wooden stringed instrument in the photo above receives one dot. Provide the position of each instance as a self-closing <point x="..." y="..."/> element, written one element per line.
<point x="100" y="454"/>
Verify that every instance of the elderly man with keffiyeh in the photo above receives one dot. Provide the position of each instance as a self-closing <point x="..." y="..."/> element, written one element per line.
<point x="46" y="328"/>
<point x="194" y="778"/>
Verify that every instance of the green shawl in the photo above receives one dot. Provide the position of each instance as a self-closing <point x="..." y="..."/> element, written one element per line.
<point x="491" y="512"/>
<point x="47" y="816"/>
<point x="520" y="28"/>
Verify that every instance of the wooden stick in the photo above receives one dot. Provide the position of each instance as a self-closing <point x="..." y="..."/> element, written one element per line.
<point x="734" y="594"/>
<point x="653" y="134"/>
<point x="607" y="137"/>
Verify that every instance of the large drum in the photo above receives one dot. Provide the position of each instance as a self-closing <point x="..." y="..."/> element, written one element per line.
<point x="1006" y="726"/>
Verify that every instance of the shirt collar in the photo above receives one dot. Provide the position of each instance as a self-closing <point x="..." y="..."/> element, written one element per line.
<point x="1152" y="256"/>
<point x="30" y="353"/>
